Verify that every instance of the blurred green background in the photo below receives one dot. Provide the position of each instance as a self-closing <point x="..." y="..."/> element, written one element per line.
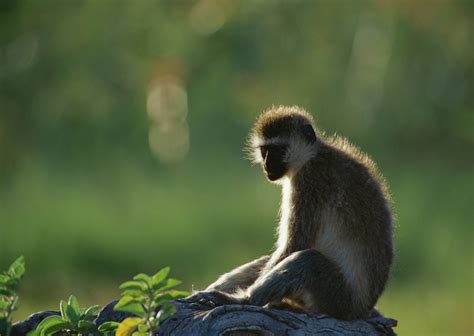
<point x="122" y="125"/>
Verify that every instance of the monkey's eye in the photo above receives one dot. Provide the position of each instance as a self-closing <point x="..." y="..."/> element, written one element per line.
<point x="273" y="152"/>
<point x="308" y="132"/>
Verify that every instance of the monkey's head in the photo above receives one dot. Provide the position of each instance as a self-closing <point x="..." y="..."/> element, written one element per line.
<point x="282" y="141"/>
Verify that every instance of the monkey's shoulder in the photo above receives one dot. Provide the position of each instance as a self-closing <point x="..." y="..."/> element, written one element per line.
<point x="342" y="150"/>
<point x="339" y="159"/>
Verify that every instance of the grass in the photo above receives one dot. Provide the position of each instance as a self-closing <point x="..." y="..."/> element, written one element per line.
<point x="85" y="232"/>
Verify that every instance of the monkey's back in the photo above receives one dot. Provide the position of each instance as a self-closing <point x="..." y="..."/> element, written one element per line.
<point x="353" y="206"/>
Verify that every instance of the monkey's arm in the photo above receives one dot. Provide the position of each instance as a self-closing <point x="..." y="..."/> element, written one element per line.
<point x="240" y="277"/>
<point x="236" y="280"/>
<point x="307" y="278"/>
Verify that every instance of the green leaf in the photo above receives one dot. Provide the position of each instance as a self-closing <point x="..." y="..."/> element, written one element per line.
<point x="143" y="328"/>
<point x="177" y="294"/>
<point x="11" y="282"/>
<point x="169" y="296"/>
<point x="54" y="328"/>
<point x="162" y="297"/>
<point x="158" y="278"/>
<point x="143" y="277"/>
<point x="124" y="301"/>
<point x="3" y="279"/>
<point x="133" y="292"/>
<point x="139" y="333"/>
<point x="71" y="315"/>
<point x="86" y="326"/>
<point x="17" y="269"/>
<point x="62" y="308"/>
<point x="6" y="291"/>
<point x="49" y="321"/>
<point x="137" y="285"/>
<point x="129" y="304"/>
<point x="166" y="310"/>
<point x="108" y="326"/>
<point x="134" y="308"/>
<point x="4" y="304"/>
<point x="70" y="310"/>
<point x="74" y="305"/>
<point x="170" y="283"/>
<point x="92" y="311"/>
<point x="128" y="325"/>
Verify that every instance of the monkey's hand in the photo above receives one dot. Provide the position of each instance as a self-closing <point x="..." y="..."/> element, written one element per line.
<point x="215" y="298"/>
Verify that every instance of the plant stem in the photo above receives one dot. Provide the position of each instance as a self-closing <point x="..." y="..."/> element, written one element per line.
<point x="11" y="306"/>
<point x="149" y="312"/>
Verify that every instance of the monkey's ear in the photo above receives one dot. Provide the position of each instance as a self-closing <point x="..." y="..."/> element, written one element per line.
<point x="308" y="133"/>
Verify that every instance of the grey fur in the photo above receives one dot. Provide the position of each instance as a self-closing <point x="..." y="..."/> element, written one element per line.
<point x="334" y="251"/>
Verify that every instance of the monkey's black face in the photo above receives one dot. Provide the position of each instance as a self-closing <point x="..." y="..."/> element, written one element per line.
<point x="273" y="160"/>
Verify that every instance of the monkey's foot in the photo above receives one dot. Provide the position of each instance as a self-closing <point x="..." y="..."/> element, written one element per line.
<point x="213" y="298"/>
<point x="286" y="305"/>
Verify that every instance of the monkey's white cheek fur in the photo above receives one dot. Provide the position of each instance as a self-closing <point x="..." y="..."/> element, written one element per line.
<point x="300" y="152"/>
<point x="254" y="149"/>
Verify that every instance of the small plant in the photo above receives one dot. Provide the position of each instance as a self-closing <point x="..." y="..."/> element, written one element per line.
<point x="144" y="296"/>
<point x="73" y="320"/>
<point x="147" y="297"/>
<point x="9" y="282"/>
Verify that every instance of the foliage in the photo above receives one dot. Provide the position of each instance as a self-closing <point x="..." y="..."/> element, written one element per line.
<point x="9" y="282"/>
<point x="147" y="297"/>
<point x="143" y="296"/>
<point x="73" y="320"/>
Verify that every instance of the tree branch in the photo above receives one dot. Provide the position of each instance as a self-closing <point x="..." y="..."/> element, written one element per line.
<point x="239" y="320"/>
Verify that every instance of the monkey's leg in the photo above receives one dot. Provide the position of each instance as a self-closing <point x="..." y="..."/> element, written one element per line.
<point x="309" y="278"/>
<point x="234" y="281"/>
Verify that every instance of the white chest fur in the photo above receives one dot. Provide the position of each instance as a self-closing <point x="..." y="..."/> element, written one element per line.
<point x="285" y="213"/>
<point x="343" y="252"/>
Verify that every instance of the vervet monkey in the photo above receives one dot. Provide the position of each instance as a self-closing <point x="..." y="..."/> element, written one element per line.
<point x="334" y="249"/>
